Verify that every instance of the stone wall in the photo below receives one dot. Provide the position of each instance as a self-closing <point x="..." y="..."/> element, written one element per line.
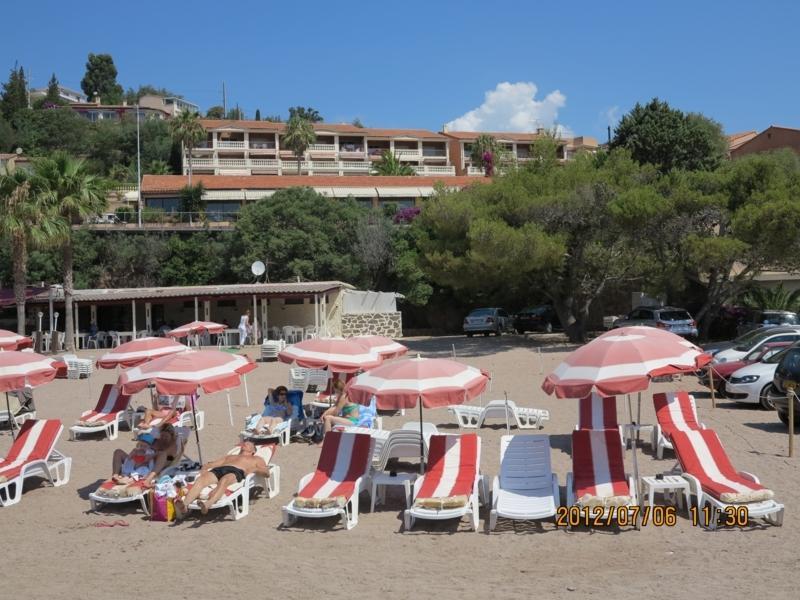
<point x="388" y="324"/>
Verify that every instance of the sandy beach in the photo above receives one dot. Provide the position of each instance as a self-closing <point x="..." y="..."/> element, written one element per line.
<point x="53" y="549"/>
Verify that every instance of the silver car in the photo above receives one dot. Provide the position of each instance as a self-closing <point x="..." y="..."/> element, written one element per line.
<point x="486" y="321"/>
<point x="669" y="318"/>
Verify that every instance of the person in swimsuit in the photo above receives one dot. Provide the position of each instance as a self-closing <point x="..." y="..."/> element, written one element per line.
<point x="277" y="409"/>
<point x="128" y="467"/>
<point x="168" y="447"/>
<point x="222" y="473"/>
<point x="166" y="408"/>
<point x="343" y="412"/>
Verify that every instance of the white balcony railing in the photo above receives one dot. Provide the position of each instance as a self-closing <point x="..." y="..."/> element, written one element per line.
<point x="230" y="145"/>
<point x="407" y="154"/>
<point x="265" y="163"/>
<point x="435" y="170"/>
<point x="475" y="171"/>
<point x="232" y="162"/>
<point x="262" y="145"/>
<point x="322" y="148"/>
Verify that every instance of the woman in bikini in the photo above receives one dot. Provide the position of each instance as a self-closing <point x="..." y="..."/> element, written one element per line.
<point x="343" y="412"/>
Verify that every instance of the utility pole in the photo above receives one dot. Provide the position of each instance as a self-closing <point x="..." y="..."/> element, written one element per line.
<point x="224" y="102"/>
<point x="138" y="168"/>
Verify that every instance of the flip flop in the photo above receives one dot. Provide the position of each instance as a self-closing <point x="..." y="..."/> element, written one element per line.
<point x="103" y="524"/>
<point x="121" y="523"/>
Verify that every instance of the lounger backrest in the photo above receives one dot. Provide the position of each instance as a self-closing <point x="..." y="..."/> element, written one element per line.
<point x="675" y="411"/>
<point x="701" y="454"/>
<point x="111" y="400"/>
<point x="453" y="462"/>
<point x="525" y="461"/>
<point x="344" y="458"/>
<point x="404" y="443"/>
<point x="295" y="398"/>
<point x="597" y="412"/>
<point x="597" y="464"/>
<point x="367" y="414"/>
<point x="35" y="441"/>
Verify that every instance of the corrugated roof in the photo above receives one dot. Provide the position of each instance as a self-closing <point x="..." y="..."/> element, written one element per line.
<point x="173" y="183"/>
<point x="159" y="293"/>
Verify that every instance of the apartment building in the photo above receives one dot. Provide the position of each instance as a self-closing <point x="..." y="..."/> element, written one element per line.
<point x="258" y="148"/>
<point x="517" y="145"/>
<point x="66" y="94"/>
<point x="172" y="105"/>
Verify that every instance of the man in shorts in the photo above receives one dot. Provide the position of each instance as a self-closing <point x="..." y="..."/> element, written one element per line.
<point x="222" y="473"/>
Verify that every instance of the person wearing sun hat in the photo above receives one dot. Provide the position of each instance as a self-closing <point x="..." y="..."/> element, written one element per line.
<point x="137" y="464"/>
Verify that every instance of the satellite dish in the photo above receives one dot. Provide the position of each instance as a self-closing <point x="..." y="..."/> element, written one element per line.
<point x="258" y="268"/>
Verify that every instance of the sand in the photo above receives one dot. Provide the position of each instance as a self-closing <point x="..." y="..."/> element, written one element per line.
<point x="53" y="549"/>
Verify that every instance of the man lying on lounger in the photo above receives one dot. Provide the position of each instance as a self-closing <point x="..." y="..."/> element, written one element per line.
<point x="222" y="473"/>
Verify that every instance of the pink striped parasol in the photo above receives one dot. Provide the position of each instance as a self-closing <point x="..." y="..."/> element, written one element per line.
<point x="13" y="341"/>
<point x="336" y="354"/>
<point x="384" y="346"/>
<point x="19" y="369"/>
<point x="137" y="352"/>
<point x="196" y="328"/>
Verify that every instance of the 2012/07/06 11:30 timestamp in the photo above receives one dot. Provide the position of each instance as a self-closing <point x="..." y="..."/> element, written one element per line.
<point x="658" y="516"/>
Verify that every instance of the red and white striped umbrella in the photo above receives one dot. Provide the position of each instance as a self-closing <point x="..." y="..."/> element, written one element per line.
<point x="20" y="369"/>
<point x="435" y="382"/>
<point x="196" y="328"/>
<point x="183" y="373"/>
<point x="623" y="361"/>
<point x="336" y="354"/>
<point x="137" y="352"/>
<point x="13" y="341"/>
<point x="384" y="346"/>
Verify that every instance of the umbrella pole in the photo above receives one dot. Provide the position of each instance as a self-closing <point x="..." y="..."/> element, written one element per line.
<point x="246" y="391"/>
<point x="508" y="425"/>
<point x="230" y="410"/>
<point x="421" y="441"/>
<point x="711" y="385"/>
<point x="11" y="420"/>
<point x="196" y="431"/>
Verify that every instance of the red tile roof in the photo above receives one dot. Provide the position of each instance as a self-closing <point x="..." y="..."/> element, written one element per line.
<point x="322" y="128"/>
<point x="173" y="183"/>
<point x="737" y="139"/>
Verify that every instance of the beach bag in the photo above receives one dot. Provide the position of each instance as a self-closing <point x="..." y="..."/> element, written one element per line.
<point x="162" y="508"/>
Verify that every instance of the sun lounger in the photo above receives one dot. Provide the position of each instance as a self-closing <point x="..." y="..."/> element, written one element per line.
<point x="110" y="492"/>
<point x="367" y="418"/>
<point x="675" y="411"/>
<point x="111" y="408"/>
<point x="526" y="488"/>
<point x="17" y="412"/>
<point x="33" y="454"/>
<point x="473" y="417"/>
<point x="281" y="434"/>
<point x="598" y="477"/>
<point x="182" y="418"/>
<point x="449" y="489"/>
<point x="332" y="490"/>
<point x="237" y="496"/>
<point x="714" y="481"/>
<point x="597" y="412"/>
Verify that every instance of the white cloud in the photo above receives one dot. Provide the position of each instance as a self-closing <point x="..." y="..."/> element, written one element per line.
<point x="513" y="107"/>
<point x="611" y="115"/>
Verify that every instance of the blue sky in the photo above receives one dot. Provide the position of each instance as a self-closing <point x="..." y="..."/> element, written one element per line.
<point x="408" y="63"/>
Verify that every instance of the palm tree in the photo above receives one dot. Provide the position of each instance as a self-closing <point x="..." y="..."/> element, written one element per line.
<point x="74" y="194"/>
<point x="776" y="298"/>
<point x="25" y="222"/>
<point x="187" y="129"/>
<point x="389" y="164"/>
<point x="299" y="136"/>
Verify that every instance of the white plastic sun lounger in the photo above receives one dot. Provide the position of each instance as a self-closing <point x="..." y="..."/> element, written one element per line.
<point x="111" y="409"/>
<point x="450" y="487"/>
<point x="18" y="414"/>
<point x="33" y="454"/>
<point x="527" y="488"/>
<point x="675" y="411"/>
<point x="237" y="496"/>
<point x="474" y="417"/>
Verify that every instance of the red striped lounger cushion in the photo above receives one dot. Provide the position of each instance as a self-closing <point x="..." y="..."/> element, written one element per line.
<point x="110" y="403"/>
<point x="675" y="412"/>
<point x="599" y="469"/>
<point x="701" y="454"/>
<point x="344" y="458"/>
<point x="35" y="441"/>
<point x="452" y="469"/>
<point x="597" y="412"/>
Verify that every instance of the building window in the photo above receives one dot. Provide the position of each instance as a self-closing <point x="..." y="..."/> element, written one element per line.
<point x="165" y="204"/>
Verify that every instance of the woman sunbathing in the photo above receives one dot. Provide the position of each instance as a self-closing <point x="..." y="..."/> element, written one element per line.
<point x="165" y="408"/>
<point x="277" y="409"/>
<point x="343" y="412"/>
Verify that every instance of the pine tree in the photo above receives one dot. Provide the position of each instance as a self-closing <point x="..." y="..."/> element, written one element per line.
<point x="53" y="95"/>
<point x="258" y="114"/>
<point x="15" y="93"/>
<point x="101" y="78"/>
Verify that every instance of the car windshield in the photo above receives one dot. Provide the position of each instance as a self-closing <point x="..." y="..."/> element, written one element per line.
<point x="754" y="354"/>
<point x="482" y="312"/>
<point x="745" y="342"/>
<point x="776" y="358"/>
<point x="779" y="318"/>
<point x="675" y="315"/>
<point x="539" y="310"/>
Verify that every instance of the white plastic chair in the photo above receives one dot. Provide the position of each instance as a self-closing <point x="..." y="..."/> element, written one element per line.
<point x="288" y="334"/>
<point x="310" y="333"/>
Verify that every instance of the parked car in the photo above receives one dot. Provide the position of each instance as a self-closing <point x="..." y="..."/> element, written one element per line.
<point x="752" y="383"/>
<point x="676" y="320"/>
<point x="486" y="321"/>
<point x="770" y="334"/>
<point x="767" y="318"/>
<point x="788" y="369"/>
<point x="541" y="318"/>
<point x="723" y="371"/>
<point x="714" y="348"/>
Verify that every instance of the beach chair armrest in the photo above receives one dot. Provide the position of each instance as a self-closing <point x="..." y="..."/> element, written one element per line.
<point x="570" y="490"/>
<point x="495" y="491"/>
<point x="695" y="488"/>
<point x="750" y="477"/>
<point x="634" y="487"/>
<point x="303" y="481"/>
<point x="556" y="491"/>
